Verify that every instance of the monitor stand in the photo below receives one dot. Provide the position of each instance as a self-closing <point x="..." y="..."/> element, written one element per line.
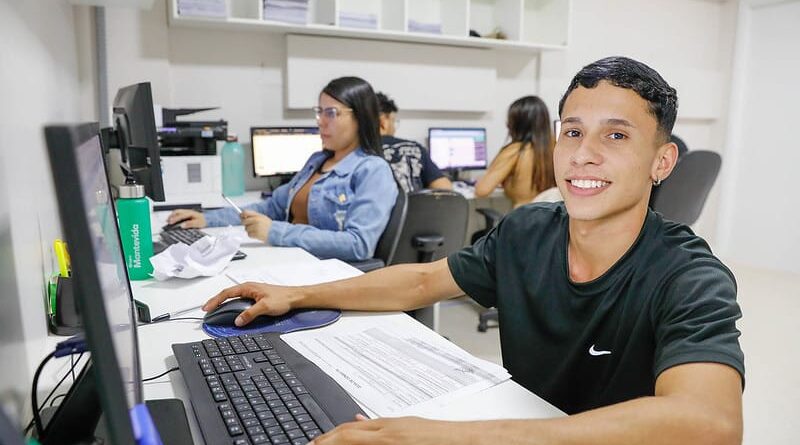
<point x="79" y="418"/>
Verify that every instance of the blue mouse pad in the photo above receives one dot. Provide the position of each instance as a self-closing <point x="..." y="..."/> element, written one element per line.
<point x="289" y="322"/>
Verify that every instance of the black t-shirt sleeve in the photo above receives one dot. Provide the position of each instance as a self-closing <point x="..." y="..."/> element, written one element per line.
<point x="430" y="172"/>
<point x="696" y="320"/>
<point x="473" y="269"/>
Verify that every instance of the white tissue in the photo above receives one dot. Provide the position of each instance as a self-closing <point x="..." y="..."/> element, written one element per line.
<point x="206" y="257"/>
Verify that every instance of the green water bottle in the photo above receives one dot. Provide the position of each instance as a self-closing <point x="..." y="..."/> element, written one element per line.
<point x="232" y="167"/>
<point x="133" y="211"/>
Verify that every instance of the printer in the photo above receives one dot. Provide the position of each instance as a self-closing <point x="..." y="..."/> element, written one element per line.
<point x="190" y="161"/>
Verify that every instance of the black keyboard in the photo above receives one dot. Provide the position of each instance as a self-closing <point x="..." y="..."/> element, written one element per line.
<point x="188" y="237"/>
<point x="256" y="389"/>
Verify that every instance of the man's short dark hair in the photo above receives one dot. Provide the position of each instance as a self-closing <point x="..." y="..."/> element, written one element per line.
<point x="386" y="105"/>
<point x="628" y="73"/>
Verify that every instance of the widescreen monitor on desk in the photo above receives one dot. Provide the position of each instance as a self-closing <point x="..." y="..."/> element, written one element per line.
<point x="282" y="150"/>
<point x="458" y="148"/>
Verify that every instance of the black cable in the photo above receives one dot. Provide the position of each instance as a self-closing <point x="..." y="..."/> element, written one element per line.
<point x="55" y="388"/>
<point x="162" y="320"/>
<point x="53" y="402"/>
<point x="37" y="420"/>
<point x="161" y="375"/>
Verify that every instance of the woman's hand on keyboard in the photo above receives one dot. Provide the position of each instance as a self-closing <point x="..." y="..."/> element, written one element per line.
<point x="191" y="219"/>
<point x="269" y="300"/>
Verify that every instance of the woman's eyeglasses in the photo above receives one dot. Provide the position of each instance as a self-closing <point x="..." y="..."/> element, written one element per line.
<point x="329" y="112"/>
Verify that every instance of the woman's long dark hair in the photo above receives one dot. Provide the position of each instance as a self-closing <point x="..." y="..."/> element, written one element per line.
<point x="529" y="124"/>
<point x="357" y="94"/>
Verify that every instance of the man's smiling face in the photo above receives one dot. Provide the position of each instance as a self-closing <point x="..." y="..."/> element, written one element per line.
<point x="606" y="154"/>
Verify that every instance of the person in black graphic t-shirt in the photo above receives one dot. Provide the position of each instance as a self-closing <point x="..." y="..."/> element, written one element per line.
<point x="411" y="163"/>
<point x="625" y="321"/>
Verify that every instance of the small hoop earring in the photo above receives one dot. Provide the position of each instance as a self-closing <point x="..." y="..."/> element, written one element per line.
<point x="657" y="182"/>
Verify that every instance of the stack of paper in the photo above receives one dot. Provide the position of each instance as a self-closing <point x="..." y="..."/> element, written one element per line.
<point x="294" y="275"/>
<point x="394" y="366"/>
<point x="202" y="8"/>
<point x="289" y="11"/>
<point x="429" y="28"/>
<point x="358" y="20"/>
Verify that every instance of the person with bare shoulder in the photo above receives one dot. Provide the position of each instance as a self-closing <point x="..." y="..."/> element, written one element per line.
<point x="524" y="167"/>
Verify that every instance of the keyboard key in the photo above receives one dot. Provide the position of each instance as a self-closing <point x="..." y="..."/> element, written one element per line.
<point x="307" y="426"/>
<point x="259" y="439"/>
<point x="279" y="439"/>
<point x="253" y="430"/>
<point x="316" y="412"/>
<point x="295" y="434"/>
<point x="235" y="430"/>
<point x="303" y="418"/>
<point x="275" y="430"/>
<point x="291" y="425"/>
<point x="241" y="441"/>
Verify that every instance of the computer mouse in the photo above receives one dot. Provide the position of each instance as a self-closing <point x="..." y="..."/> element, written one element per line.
<point x="226" y="313"/>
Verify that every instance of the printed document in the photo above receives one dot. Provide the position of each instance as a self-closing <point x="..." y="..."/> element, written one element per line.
<point x="292" y="274"/>
<point x="393" y="365"/>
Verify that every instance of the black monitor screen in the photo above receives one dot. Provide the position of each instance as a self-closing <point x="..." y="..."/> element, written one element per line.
<point x="458" y="148"/>
<point x="98" y="269"/>
<point x="282" y="150"/>
<point x="135" y="124"/>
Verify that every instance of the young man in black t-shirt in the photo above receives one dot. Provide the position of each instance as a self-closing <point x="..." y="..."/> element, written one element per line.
<point x="411" y="163"/>
<point x="625" y="321"/>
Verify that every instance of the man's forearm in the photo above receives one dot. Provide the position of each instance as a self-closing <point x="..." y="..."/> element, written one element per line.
<point x="650" y="420"/>
<point x="396" y="288"/>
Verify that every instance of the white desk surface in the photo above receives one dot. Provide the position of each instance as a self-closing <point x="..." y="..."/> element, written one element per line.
<point x="507" y="400"/>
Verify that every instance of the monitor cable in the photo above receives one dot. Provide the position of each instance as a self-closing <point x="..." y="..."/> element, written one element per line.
<point x="73" y="345"/>
<point x="173" y="369"/>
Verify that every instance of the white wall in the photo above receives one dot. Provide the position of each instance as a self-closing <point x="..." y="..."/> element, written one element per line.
<point x="243" y="72"/>
<point x="760" y="212"/>
<point x="43" y="82"/>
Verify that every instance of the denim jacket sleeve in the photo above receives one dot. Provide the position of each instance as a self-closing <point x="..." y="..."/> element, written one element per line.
<point x="374" y="195"/>
<point x="274" y="207"/>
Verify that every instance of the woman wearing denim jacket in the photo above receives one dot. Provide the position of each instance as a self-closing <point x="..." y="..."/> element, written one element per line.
<point x="338" y="205"/>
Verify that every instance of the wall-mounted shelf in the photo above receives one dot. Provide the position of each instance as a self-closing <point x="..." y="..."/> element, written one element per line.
<point x="529" y="25"/>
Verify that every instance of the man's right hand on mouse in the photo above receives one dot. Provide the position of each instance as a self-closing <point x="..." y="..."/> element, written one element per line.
<point x="269" y="300"/>
<point x="191" y="219"/>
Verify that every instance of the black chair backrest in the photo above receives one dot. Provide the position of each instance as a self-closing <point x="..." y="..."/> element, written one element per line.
<point x="387" y="244"/>
<point x="432" y="215"/>
<point x="681" y="197"/>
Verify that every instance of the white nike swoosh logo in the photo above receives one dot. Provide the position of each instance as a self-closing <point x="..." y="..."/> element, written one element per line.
<point x="595" y="352"/>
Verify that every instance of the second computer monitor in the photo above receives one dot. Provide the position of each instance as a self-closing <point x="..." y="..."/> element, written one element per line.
<point x="458" y="148"/>
<point x="282" y="150"/>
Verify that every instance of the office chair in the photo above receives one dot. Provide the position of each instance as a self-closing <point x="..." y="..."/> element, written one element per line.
<point x="681" y="197"/>
<point x="425" y="226"/>
<point x="387" y="244"/>
<point x="435" y="226"/>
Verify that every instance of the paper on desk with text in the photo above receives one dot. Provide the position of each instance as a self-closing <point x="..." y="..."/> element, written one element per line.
<point x="392" y="364"/>
<point x="298" y="274"/>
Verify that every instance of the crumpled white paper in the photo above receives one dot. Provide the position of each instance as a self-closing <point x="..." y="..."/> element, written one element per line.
<point x="206" y="257"/>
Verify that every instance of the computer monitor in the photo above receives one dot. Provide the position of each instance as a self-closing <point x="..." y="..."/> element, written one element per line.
<point x="282" y="150"/>
<point x="458" y="148"/>
<point x="135" y="130"/>
<point x="101" y="288"/>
